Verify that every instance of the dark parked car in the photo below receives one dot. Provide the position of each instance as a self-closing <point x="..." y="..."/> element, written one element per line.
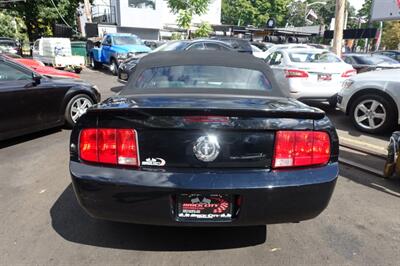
<point x="369" y="62"/>
<point x="203" y="139"/>
<point x="126" y="68"/>
<point x="390" y="53"/>
<point x="240" y="45"/>
<point x="31" y="102"/>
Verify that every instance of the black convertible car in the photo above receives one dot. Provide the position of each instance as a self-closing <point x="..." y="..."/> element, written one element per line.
<point x="203" y="139"/>
<point x="31" y="102"/>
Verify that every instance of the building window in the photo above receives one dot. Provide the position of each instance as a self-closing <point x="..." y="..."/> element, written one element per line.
<point x="148" y="4"/>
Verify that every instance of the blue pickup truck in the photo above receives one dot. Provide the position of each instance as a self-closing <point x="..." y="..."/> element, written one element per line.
<point x="116" y="48"/>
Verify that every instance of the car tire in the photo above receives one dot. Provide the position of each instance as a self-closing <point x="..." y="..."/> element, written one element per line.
<point x="114" y="67"/>
<point x="93" y="63"/>
<point x="76" y="107"/>
<point x="78" y="70"/>
<point x="373" y="114"/>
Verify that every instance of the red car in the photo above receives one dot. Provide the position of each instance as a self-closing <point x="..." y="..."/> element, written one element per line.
<point x="40" y="68"/>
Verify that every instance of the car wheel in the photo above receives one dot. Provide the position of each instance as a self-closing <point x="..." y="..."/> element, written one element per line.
<point x="114" y="67"/>
<point x="78" y="70"/>
<point x="373" y="114"/>
<point x="76" y="107"/>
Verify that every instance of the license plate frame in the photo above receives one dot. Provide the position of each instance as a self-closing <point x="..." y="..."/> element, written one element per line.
<point x="324" y="77"/>
<point x="204" y="207"/>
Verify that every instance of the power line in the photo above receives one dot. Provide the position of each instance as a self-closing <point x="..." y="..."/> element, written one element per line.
<point x="62" y="18"/>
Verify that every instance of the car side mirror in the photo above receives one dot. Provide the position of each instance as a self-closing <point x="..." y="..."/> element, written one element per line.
<point x="36" y="78"/>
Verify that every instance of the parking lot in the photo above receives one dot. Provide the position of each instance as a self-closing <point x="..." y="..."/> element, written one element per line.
<point x="42" y="223"/>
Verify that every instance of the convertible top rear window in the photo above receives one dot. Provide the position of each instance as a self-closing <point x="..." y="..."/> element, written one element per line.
<point x="202" y="76"/>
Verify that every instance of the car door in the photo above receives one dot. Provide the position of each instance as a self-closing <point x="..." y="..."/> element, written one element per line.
<point x="25" y="105"/>
<point x="106" y="49"/>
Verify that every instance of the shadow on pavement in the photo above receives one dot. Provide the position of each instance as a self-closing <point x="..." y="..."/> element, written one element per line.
<point x="71" y="222"/>
<point x="28" y="137"/>
<point x="389" y="186"/>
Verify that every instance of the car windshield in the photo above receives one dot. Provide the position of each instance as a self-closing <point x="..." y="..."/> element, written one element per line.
<point x="202" y="76"/>
<point x="170" y="46"/>
<point x="374" y="60"/>
<point x="126" y="40"/>
<point x="7" y="43"/>
<point x="313" y="57"/>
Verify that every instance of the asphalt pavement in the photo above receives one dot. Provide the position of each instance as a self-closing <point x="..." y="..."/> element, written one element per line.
<point x="42" y="223"/>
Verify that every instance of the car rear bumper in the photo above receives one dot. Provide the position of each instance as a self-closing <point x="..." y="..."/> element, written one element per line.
<point x="147" y="196"/>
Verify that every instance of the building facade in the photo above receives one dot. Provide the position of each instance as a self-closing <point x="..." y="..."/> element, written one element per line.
<point x="148" y="19"/>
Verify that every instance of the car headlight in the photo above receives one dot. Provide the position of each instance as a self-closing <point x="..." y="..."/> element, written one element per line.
<point x="347" y="84"/>
<point x="131" y="54"/>
<point x="122" y="55"/>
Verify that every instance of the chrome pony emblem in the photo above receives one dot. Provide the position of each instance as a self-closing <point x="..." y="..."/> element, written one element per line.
<point x="206" y="148"/>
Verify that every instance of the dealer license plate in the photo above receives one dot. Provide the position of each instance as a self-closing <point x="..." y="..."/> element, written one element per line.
<point x="204" y="207"/>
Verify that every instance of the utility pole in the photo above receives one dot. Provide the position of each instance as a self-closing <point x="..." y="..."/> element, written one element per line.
<point x="339" y="23"/>
<point x="88" y="11"/>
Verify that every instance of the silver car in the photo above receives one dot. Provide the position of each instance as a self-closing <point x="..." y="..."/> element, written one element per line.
<point x="372" y="100"/>
<point x="310" y="74"/>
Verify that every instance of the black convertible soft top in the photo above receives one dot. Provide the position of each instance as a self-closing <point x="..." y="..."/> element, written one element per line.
<point x="207" y="58"/>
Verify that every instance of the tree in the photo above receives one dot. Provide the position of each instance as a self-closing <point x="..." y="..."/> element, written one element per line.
<point x="391" y="35"/>
<point x="254" y="12"/>
<point x="186" y="9"/>
<point x="40" y="15"/>
<point x="204" y="30"/>
<point x="12" y="26"/>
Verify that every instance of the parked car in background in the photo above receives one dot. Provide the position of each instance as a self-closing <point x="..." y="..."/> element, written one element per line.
<point x="126" y="67"/>
<point x="277" y="47"/>
<point x="370" y="62"/>
<point x="390" y="53"/>
<point x="203" y="139"/>
<point x="240" y="45"/>
<point x="57" y="53"/>
<point x="9" y="45"/>
<point x="32" y="102"/>
<point x="310" y="74"/>
<point x="264" y="46"/>
<point x="39" y="67"/>
<point x="114" y="49"/>
<point x="258" y="52"/>
<point x="372" y="100"/>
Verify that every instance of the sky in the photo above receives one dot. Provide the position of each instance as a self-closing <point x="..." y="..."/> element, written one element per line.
<point x="356" y="3"/>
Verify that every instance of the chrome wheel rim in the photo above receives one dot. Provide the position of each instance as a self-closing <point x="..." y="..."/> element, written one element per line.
<point x="370" y="114"/>
<point x="113" y="67"/>
<point x="92" y="62"/>
<point x="79" y="107"/>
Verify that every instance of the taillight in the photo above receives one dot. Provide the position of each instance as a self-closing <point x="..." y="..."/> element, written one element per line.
<point x="301" y="148"/>
<point x="296" y="73"/>
<point x="109" y="146"/>
<point x="349" y="73"/>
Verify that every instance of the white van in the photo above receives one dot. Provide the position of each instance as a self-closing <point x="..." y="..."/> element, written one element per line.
<point x="57" y="53"/>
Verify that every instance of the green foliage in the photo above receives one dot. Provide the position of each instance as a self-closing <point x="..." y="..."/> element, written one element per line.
<point x="391" y="35"/>
<point x="254" y="12"/>
<point x="186" y="9"/>
<point x="204" y="30"/>
<point x="40" y="15"/>
<point x="176" y="36"/>
<point x="12" y="26"/>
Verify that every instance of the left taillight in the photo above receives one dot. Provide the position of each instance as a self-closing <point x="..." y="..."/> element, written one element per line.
<point x="301" y="148"/>
<point x="349" y="73"/>
<point x="109" y="146"/>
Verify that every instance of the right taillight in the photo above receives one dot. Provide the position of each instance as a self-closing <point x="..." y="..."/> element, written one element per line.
<point x="349" y="73"/>
<point x="301" y="148"/>
<point x="296" y="73"/>
<point x="109" y="146"/>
